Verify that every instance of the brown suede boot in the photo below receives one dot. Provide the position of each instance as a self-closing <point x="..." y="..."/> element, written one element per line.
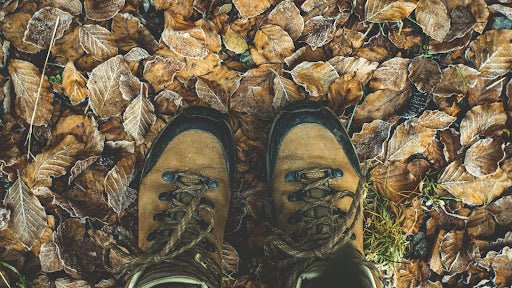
<point x="315" y="179"/>
<point x="183" y="202"/>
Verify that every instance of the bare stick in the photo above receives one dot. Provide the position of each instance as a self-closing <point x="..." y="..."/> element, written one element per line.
<point x="29" y="136"/>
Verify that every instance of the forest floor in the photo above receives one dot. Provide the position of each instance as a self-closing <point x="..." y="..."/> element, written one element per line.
<point x="422" y="86"/>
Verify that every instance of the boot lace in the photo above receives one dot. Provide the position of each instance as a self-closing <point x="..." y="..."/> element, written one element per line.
<point x="303" y="244"/>
<point x="182" y="227"/>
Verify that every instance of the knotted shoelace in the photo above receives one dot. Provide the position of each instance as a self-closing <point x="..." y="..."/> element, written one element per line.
<point x="299" y="254"/>
<point x="176" y="236"/>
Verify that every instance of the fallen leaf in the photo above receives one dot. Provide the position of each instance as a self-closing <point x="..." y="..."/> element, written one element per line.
<point x="358" y="68"/>
<point x="168" y="102"/>
<point x="249" y="8"/>
<point x="456" y="251"/>
<point x="391" y="75"/>
<point x="381" y="104"/>
<point x="72" y="6"/>
<point x="14" y="26"/>
<point x="504" y="10"/>
<point x="97" y="41"/>
<point x="501" y="209"/>
<point x="273" y="43"/>
<point x="343" y="93"/>
<point x="254" y="96"/>
<point x="491" y="53"/>
<point x="425" y="74"/>
<point x="501" y="267"/>
<point x="68" y="283"/>
<point x="409" y="138"/>
<point x="480" y="224"/>
<point x="303" y="54"/>
<point x="105" y="98"/>
<point x="398" y="181"/>
<point x="130" y="33"/>
<point x="472" y="190"/>
<point x="437" y="120"/>
<point x="189" y="43"/>
<point x="80" y="167"/>
<point x="217" y="87"/>
<point x="26" y="79"/>
<point x="120" y="196"/>
<point x="101" y="10"/>
<point x="138" y="117"/>
<point x="458" y="79"/>
<point x="49" y="257"/>
<point x="369" y="142"/>
<point x="28" y="218"/>
<point x="234" y="41"/>
<point x="482" y="120"/>
<point x="285" y="91"/>
<point x="42" y="24"/>
<point x="388" y="10"/>
<point x="315" y="77"/>
<point x="68" y="47"/>
<point x="287" y="16"/>
<point x="74" y="84"/>
<point x="483" y="157"/>
<point x="160" y="72"/>
<point x="318" y="31"/>
<point x="345" y="42"/>
<point x="433" y="18"/>
<point x="486" y="91"/>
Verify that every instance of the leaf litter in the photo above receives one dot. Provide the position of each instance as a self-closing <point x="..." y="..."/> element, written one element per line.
<point x="423" y="87"/>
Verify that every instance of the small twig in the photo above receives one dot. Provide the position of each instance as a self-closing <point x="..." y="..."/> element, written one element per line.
<point x="5" y="280"/>
<point x="41" y="81"/>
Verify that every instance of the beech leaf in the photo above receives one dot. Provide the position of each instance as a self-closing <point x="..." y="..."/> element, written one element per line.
<point x="97" y="41"/>
<point x="315" y="77"/>
<point x="120" y="196"/>
<point x="138" y="117"/>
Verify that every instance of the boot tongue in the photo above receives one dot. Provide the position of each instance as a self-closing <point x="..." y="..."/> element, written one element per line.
<point x="317" y="212"/>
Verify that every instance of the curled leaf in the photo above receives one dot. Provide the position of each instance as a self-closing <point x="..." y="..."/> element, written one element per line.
<point x="314" y="76"/>
<point x="492" y="53"/>
<point x="482" y="120"/>
<point x="388" y="10"/>
<point x="74" y="84"/>
<point x="273" y="43"/>
<point x="483" y="157"/>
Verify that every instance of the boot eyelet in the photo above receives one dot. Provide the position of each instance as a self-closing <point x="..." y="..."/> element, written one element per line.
<point x="289" y="177"/>
<point x="158" y="216"/>
<point x="295" y="196"/>
<point x="151" y="236"/>
<point x="163" y="196"/>
<point x="169" y="176"/>
<point x="212" y="184"/>
<point x="336" y="173"/>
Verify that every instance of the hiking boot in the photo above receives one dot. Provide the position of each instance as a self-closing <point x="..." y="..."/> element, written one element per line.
<point x="184" y="198"/>
<point x="314" y="176"/>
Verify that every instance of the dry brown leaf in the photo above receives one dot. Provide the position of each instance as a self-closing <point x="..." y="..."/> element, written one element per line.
<point x="80" y="167"/>
<point x="97" y="41"/>
<point x="346" y="41"/>
<point x="344" y="92"/>
<point x="435" y="119"/>
<point x="481" y="224"/>
<point x="53" y="162"/>
<point x="217" y="87"/>
<point x="492" y="53"/>
<point x="68" y="47"/>
<point x="409" y="138"/>
<point x="486" y="91"/>
<point x="254" y="96"/>
<point x="358" y="68"/>
<point x="482" y="120"/>
<point x="483" y="157"/>
<point x="433" y="17"/>
<point x="507" y="11"/>
<point x="315" y="77"/>
<point x="120" y="196"/>
<point x="381" y="104"/>
<point x="318" y="31"/>
<point x="28" y="218"/>
<point x="72" y="6"/>
<point x="501" y="209"/>
<point x="101" y="10"/>
<point x="398" y="181"/>
<point x="42" y="24"/>
<point x="105" y="97"/>
<point x="69" y="283"/>
<point x="457" y="79"/>
<point x="435" y="262"/>
<point x="425" y="74"/>
<point x="456" y="251"/>
<point x="168" y="102"/>
<point x="160" y="72"/>
<point x="138" y="117"/>
<point x="130" y="33"/>
<point x="388" y="10"/>
<point x="370" y="141"/>
<point x="49" y="257"/>
<point x="273" y="43"/>
<point x="14" y="26"/>
<point x="249" y="8"/>
<point x="26" y="79"/>
<point x="303" y="54"/>
<point x="470" y="189"/>
<point x="501" y="267"/>
<point x="234" y="41"/>
<point x="391" y="75"/>
<point x="450" y="139"/>
<point x="287" y="16"/>
<point x="189" y="43"/>
<point x="285" y="91"/>
<point x="74" y="84"/>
